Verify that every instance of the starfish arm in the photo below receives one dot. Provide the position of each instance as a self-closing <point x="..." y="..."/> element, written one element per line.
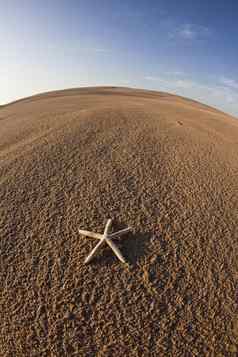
<point x="90" y="234"/>
<point x="107" y="227"/>
<point x="93" y="252"/>
<point x="115" y="250"/>
<point x="119" y="233"/>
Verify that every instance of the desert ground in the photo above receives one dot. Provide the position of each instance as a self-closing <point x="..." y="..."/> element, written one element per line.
<point x="166" y="166"/>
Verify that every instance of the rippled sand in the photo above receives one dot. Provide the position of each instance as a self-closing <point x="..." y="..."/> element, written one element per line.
<point x="164" y="165"/>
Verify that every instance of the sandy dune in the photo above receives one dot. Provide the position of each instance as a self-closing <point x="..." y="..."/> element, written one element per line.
<point x="164" y="165"/>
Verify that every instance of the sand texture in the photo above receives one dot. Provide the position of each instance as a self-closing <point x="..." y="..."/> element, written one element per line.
<point x="164" y="165"/>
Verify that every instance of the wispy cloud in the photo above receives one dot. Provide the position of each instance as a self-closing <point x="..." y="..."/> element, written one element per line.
<point x="228" y="82"/>
<point x="184" y="83"/>
<point x="152" y="78"/>
<point x="159" y="80"/>
<point x="125" y="82"/>
<point x="171" y="81"/>
<point x="99" y="50"/>
<point x="223" y="95"/>
<point x="176" y="73"/>
<point x="190" y="32"/>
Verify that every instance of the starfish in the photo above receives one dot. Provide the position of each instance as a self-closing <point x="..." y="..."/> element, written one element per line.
<point x="105" y="238"/>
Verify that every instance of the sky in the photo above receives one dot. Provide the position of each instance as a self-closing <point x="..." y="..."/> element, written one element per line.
<point x="184" y="47"/>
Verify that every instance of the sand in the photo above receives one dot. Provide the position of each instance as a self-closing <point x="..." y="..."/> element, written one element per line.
<point x="164" y="165"/>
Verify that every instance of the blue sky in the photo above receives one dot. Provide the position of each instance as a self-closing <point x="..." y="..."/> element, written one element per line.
<point x="184" y="47"/>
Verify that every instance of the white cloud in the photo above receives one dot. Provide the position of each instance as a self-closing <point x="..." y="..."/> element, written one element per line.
<point x="229" y="82"/>
<point x="187" y="32"/>
<point x="171" y="82"/>
<point x="190" y="32"/>
<point x="221" y="96"/>
<point x="159" y="80"/>
<point x="96" y="50"/>
<point x="152" y="78"/>
<point x="100" y="50"/>
<point x="184" y="83"/>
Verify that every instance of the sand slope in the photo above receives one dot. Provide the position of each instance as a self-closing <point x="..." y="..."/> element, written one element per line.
<point x="166" y="166"/>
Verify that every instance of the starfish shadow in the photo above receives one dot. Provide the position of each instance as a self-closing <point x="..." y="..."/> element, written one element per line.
<point x="133" y="247"/>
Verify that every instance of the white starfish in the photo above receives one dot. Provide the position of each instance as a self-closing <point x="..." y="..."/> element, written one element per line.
<point x="107" y="238"/>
